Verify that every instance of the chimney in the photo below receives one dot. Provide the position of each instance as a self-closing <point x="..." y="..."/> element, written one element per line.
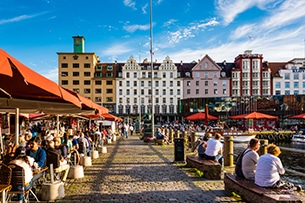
<point x="181" y="62"/>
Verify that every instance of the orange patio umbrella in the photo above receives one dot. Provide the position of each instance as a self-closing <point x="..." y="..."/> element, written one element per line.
<point x="201" y="116"/>
<point x="21" y="85"/>
<point x="254" y="115"/>
<point x="298" y="116"/>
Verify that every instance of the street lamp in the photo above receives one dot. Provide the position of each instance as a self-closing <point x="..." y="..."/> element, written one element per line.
<point x="152" y="73"/>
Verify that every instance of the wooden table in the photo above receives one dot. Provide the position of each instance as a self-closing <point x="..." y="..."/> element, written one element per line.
<point x="4" y="189"/>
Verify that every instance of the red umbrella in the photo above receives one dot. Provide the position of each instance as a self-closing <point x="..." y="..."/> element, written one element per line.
<point x="18" y="84"/>
<point x="254" y="115"/>
<point x="200" y="116"/>
<point x="299" y="116"/>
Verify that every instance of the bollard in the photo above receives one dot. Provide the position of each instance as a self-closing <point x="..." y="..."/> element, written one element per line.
<point x="193" y="139"/>
<point x="263" y="149"/>
<point x="228" y="151"/>
<point x="171" y="136"/>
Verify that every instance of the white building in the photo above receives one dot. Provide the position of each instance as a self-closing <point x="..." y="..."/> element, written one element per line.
<point x="290" y="80"/>
<point x="135" y="86"/>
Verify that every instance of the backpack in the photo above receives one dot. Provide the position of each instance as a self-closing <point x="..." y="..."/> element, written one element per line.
<point x="238" y="165"/>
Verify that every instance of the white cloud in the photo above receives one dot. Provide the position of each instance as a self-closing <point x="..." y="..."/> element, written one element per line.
<point x="130" y="3"/>
<point x="169" y="22"/>
<point x="115" y="50"/>
<point x="229" y="9"/>
<point x="18" y="18"/>
<point x="144" y="9"/>
<point x="190" y="31"/>
<point x="133" y="28"/>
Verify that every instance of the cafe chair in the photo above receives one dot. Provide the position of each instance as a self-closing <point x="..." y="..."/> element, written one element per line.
<point x="5" y="181"/>
<point x="18" y="179"/>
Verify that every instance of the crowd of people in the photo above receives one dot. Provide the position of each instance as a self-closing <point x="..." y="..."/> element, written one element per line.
<point x="32" y="149"/>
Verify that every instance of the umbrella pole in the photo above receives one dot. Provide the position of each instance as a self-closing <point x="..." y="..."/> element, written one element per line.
<point x="16" y="126"/>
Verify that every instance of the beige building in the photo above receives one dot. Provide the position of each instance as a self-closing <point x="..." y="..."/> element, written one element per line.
<point x="82" y="72"/>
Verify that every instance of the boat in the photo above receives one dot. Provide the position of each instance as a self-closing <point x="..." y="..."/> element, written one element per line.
<point x="298" y="138"/>
<point x="238" y="137"/>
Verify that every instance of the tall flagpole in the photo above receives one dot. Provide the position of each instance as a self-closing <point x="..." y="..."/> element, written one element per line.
<point x="152" y="75"/>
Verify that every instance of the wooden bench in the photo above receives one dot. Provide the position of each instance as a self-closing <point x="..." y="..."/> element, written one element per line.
<point x="211" y="169"/>
<point x="159" y="141"/>
<point x="250" y="192"/>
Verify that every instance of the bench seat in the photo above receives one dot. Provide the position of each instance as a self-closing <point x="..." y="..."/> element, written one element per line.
<point x="211" y="169"/>
<point x="250" y="192"/>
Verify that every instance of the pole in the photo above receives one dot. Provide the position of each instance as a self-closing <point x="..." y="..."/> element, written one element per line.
<point x="152" y="71"/>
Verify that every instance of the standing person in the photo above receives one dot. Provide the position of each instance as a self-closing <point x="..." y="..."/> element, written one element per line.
<point x="214" y="149"/>
<point x="269" y="168"/>
<point x="247" y="160"/>
<point x="131" y="129"/>
<point x="38" y="154"/>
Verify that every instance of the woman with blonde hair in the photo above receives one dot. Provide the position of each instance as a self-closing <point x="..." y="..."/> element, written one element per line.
<point x="269" y="168"/>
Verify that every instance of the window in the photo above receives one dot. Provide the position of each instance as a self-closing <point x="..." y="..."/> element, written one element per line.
<point x="287" y="76"/>
<point x="206" y="75"/>
<point x="76" y="90"/>
<point x="171" y="92"/>
<point x="164" y="91"/>
<point x="295" y="76"/>
<point x="127" y="75"/>
<point x="109" y="91"/>
<point x="287" y="84"/>
<point x="206" y="91"/>
<point x="64" y="65"/>
<point x="64" y="82"/>
<point x="215" y="83"/>
<point x="87" y="82"/>
<point x="75" y="82"/>
<point x="188" y="91"/>
<point x="171" y="83"/>
<point x="295" y="84"/>
<point x="224" y="83"/>
<point x="135" y="100"/>
<point x="109" y="99"/>
<point x="287" y="92"/>
<point x="157" y="92"/>
<point x="215" y="75"/>
<point x="178" y="83"/>
<point x="99" y="67"/>
<point x="135" y="83"/>
<point x="171" y="75"/>
<point x="164" y="74"/>
<point x="120" y="83"/>
<point x="87" y="74"/>
<point x="98" y="75"/>
<point x="98" y="99"/>
<point x="197" y="83"/>
<point x="142" y="92"/>
<point x="98" y="90"/>
<point x="127" y="92"/>
<point x="197" y="75"/>
<point x="75" y="74"/>
<point x="109" y="82"/>
<point x="224" y="91"/>
<point x="206" y="83"/>
<point x="109" y="75"/>
<point x="87" y="90"/>
<point x="215" y="91"/>
<point x="134" y="75"/>
<point x="120" y="92"/>
<point x="109" y="68"/>
<point x="98" y="82"/>
<point x="64" y="74"/>
<point x="188" y="83"/>
<point x="197" y="91"/>
<point x="178" y="91"/>
<point x="75" y="65"/>
<point x="87" y="65"/>
<point x="206" y="65"/>
<point x="135" y="92"/>
<point x="295" y="91"/>
<point x="163" y="83"/>
<point x="127" y="83"/>
<point x="142" y="83"/>
<point x="277" y="84"/>
<point x="157" y="84"/>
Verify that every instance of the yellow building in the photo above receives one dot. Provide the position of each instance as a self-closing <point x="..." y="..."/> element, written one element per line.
<point x="82" y="72"/>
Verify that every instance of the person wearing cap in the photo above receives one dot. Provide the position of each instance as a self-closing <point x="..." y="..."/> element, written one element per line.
<point x="26" y="162"/>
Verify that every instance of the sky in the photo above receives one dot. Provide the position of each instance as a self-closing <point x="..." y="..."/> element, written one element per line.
<point x="33" y="31"/>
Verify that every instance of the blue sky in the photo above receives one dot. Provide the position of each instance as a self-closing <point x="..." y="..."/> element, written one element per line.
<point x="33" y="31"/>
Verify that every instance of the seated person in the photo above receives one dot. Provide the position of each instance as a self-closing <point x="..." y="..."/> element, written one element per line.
<point x="202" y="147"/>
<point x="269" y="168"/>
<point x="38" y="154"/>
<point x="214" y="149"/>
<point x="160" y="135"/>
<point x="250" y="159"/>
<point x="26" y="162"/>
<point x="63" y="164"/>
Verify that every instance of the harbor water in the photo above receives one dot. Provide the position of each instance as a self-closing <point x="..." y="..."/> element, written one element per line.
<point x="291" y="160"/>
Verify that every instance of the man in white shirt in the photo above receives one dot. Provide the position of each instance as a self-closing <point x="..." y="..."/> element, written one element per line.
<point x="214" y="149"/>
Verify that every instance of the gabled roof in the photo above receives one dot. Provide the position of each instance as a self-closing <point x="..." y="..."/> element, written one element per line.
<point x="276" y="66"/>
<point x="206" y="57"/>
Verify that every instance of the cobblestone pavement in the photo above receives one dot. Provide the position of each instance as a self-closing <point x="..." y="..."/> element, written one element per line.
<point x="134" y="171"/>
